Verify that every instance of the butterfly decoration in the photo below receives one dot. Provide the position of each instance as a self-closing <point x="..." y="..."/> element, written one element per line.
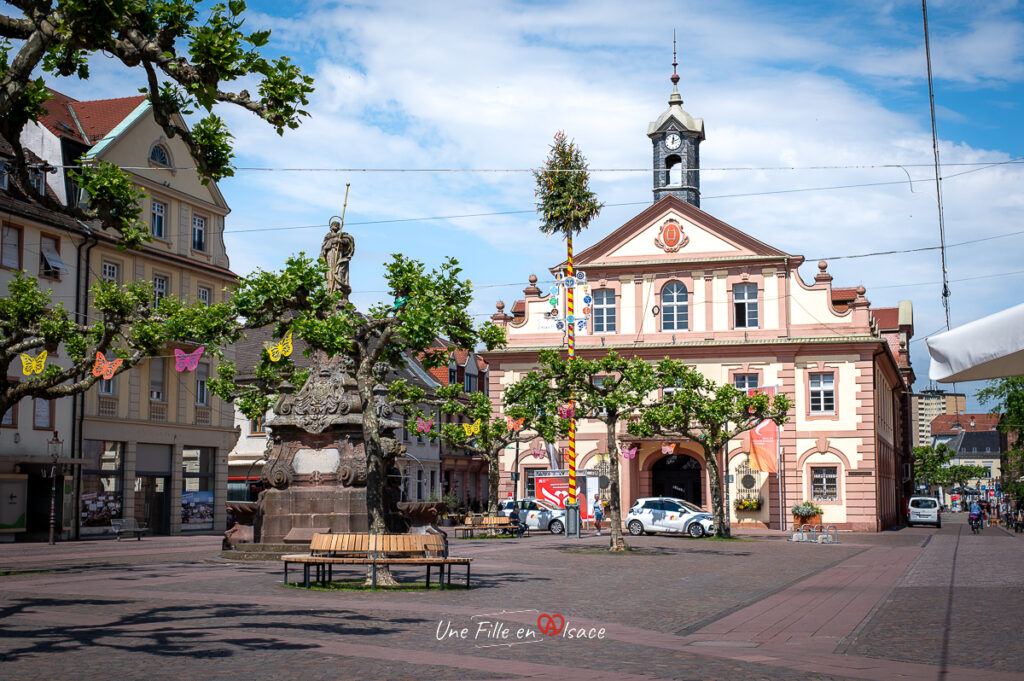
<point x="105" y="367"/>
<point x="399" y="302"/>
<point x="424" y="425"/>
<point x="566" y="411"/>
<point x="514" y="424"/>
<point x="187" y="361"/>
<point x="472" y="428"/>
<point x="629" y="453"/>
<point x="33" y="365"/>
<point x="282" y="348"/>
<point x="667" y="448"/>
<point x="538" y="451"/>
<point x="581" y="324"/>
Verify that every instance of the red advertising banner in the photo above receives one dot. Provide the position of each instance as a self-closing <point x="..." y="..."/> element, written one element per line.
<point x="764" y="440"/>
<point x="554" y="489"/>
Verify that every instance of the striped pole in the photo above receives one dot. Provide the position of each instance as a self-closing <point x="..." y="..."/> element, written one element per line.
<point x="570" y="315"/>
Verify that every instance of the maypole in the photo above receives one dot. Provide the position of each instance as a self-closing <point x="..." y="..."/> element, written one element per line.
<point x="571" y="317"/>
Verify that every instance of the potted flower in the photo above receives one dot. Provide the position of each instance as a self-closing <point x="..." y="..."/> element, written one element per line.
<point x="452" y="503"/>
<point x="806" y="513"/>
<point x="748" y="504"/>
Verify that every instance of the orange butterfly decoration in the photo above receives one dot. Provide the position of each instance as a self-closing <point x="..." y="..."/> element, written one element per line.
<point x="105" y="367"/>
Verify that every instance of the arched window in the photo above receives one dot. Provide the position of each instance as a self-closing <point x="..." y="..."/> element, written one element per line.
<point x="159" y="155"/>
<point x="673" y="171"/>
<point x="675" y="307"/>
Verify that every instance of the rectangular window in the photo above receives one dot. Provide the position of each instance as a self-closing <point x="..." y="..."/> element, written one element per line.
<point x="156" y="379"/>
<point x="159" y="289"/>
<point x="744" y="299"/>
<point x="257" y="426"/>
<point x="35" y="178"/>
<point x="102" y="478"/>
<point x="106" y="386"/>
<point x="110" y="272"/>
<point x="824" y="483"/>
<point x="451" y="376"/>
<point x="823" y="393"/>
<point x="483" y="383"/>
<point x="405" y="428"/>
<point x="205" y="295"/>
<point x="10" y="418"/>
<point x="467" y="382"/>
<point x="198" y="233"/>
<point x="202" y="374"/>
<point x="42" y="418"/>
<point x="3" y="175"/>
<point x="746" y="381"/>
<point x="11" y="247"/>
<point x="50" y="264"/>
<point x="158" y="214"/>
<point x="604" y="310"/>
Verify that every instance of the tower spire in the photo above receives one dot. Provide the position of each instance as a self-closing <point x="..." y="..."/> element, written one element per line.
<point x="675" y="97"/>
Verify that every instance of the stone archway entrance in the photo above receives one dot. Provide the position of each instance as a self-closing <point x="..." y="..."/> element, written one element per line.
<point x="677" y="475"/>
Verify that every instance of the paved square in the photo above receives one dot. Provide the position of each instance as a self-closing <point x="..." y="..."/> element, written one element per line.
<point x="874" y="607"/>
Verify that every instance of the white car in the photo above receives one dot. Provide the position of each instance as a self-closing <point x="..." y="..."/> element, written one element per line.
<point x="667" y="514"/>
<point x="924" y="510"/>
<point x="539" y="514"/>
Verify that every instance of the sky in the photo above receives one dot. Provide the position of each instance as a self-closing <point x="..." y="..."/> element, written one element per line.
<point x="787" y="92"/>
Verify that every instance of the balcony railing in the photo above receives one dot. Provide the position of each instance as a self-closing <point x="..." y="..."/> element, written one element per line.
<point x="107" y="407"/>
<point x="157" y="411"/>
<point x="202" y="416"/>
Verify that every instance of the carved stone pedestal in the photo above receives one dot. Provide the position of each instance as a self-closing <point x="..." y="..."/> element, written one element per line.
<point x="341" y="509"/>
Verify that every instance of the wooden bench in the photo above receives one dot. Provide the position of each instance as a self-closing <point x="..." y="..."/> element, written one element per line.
<point x="500" y="523"/>
<point x="328" y="550"/>
<point x="128" y="526"/>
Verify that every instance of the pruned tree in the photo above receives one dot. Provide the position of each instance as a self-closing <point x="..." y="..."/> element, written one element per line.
<point x="187" y="55"/>
<point x="130" y="327"/>
<point x="608" y="389"/>
<point x="931" y="465"/>
<point x="709" y="414"/>
<point x="1006" y="396"/>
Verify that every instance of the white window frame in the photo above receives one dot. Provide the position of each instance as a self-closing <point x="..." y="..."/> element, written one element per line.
<point x="110" y="271"/>
<point x="158" y="217"/>
<point x="108" y="387"/>
<point x="161" y="394"/>
<point x="745" y="379"/>
<point x="20" y="233"/>
<point x="160" y="289"/>
<point x="48" y="412"/>
<point x="202" y="394"/>
<point x="205" y="295"/>
<point x="747" y="304"/>
<point x="675" y="307"/>
<point x="604" y="310"/>
<point x="50" y="264"/>
<point x="821" y="390"/>
<point x="199" y="227"/>
<point x="820" y="490"/>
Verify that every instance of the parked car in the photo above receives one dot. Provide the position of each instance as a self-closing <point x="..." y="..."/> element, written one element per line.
<point x="924" y="510"/>
<point x="667" y="514"/>
<point x="540" y="515"/>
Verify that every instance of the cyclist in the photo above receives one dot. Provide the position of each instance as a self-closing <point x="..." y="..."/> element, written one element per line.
<point x="975" y="517"/>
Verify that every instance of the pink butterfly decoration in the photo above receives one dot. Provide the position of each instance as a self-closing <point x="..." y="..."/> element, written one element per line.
<point x="538" y="451"/>
<point x="667" y="448"/>
<point x="566" y="411"/>
<point x="629" y="453"/>
<point x="187" y="361"/>
<point x="423" y="425"/>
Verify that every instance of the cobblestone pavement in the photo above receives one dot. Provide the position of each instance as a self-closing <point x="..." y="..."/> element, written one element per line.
<point x="675" y="608"/>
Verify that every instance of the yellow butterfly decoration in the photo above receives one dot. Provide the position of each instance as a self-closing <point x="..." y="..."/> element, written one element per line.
<point x="472" y="428"/>
<point x="282" y="348"/>
<point x="33" y="365"/>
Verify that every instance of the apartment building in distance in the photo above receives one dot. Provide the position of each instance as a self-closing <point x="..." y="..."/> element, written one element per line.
<point x="929" y="404"/>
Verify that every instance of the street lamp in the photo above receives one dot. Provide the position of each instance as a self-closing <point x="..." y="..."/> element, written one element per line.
<point x="54" y="447"/>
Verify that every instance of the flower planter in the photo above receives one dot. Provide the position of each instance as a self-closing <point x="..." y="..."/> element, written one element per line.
<point x="807" y="520"/>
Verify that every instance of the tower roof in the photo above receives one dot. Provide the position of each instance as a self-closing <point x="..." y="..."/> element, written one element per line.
<point x="675" y="110"/>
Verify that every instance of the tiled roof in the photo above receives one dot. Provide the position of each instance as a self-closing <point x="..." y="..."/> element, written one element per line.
<point x="440" y="373"/>
<point x="247" y="351"/>
<point x="944" y="423"/>
<point x="888" y="318"/>
<point x="893" y="339"/>
<point x="519" y="307"/>
<point x="844" y="295"/>
<point x="96" y="118"/>
<point x="19" y="201"/>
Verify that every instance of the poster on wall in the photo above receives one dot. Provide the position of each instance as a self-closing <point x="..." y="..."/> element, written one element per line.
<point x="553" y="488"/>
<point x="197" y="510"/>
<point x="98" y="508"/>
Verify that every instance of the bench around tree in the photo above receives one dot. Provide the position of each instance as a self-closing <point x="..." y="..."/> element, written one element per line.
<point x="128" y="526"/>
<point x="328" y="550"/>
<point x="489" y="524"/>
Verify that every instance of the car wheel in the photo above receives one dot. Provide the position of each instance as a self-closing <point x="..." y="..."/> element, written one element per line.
<point x="695" y="530"/>
<point x="636" y="528"/>
<point x="556" y="527"/>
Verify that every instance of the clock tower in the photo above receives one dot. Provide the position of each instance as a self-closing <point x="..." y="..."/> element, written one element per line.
<point x="676" y="137"/>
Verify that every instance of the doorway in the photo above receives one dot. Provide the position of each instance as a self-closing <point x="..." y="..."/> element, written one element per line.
<point x="153" y="502"/>
<point x="677" y="475"/>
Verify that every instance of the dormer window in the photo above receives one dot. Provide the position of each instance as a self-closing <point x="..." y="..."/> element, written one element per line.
<point x="160" y="156"/>
<point x="35" y="177"/>
<point x="3" y="174"/>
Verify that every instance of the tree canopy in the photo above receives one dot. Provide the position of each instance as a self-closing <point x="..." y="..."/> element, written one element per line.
<point x="187" y="58"/>
<point x="564" y="199"/>
<point x="1006" y="396"/>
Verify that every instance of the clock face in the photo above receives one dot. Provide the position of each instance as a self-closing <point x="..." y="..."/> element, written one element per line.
<point x="672" y="141"/>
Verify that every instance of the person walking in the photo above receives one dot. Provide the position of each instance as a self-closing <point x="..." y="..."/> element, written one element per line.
<point x="598" y="513"/>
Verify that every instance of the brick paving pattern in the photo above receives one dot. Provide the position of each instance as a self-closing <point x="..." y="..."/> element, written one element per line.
<point x="169" y="608"/>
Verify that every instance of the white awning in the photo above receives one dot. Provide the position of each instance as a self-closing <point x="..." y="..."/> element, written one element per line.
<point x="991" y="347"/>
<point x="52" y="257"/>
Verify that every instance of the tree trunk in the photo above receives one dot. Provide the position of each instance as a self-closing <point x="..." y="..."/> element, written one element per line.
<point x="376" y="466"/>
<point x="717" y="501"/>
<point x="493" y="477"/>
<point x="614" y="499"/>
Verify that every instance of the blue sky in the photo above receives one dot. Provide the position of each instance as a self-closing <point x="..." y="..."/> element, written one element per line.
<point x="473" y="85"/>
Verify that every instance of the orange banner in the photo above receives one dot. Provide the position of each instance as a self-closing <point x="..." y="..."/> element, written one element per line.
<point x="764" y="440"/>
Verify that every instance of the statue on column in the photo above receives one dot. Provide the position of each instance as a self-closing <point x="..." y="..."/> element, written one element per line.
<point x="337" y="250"/>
